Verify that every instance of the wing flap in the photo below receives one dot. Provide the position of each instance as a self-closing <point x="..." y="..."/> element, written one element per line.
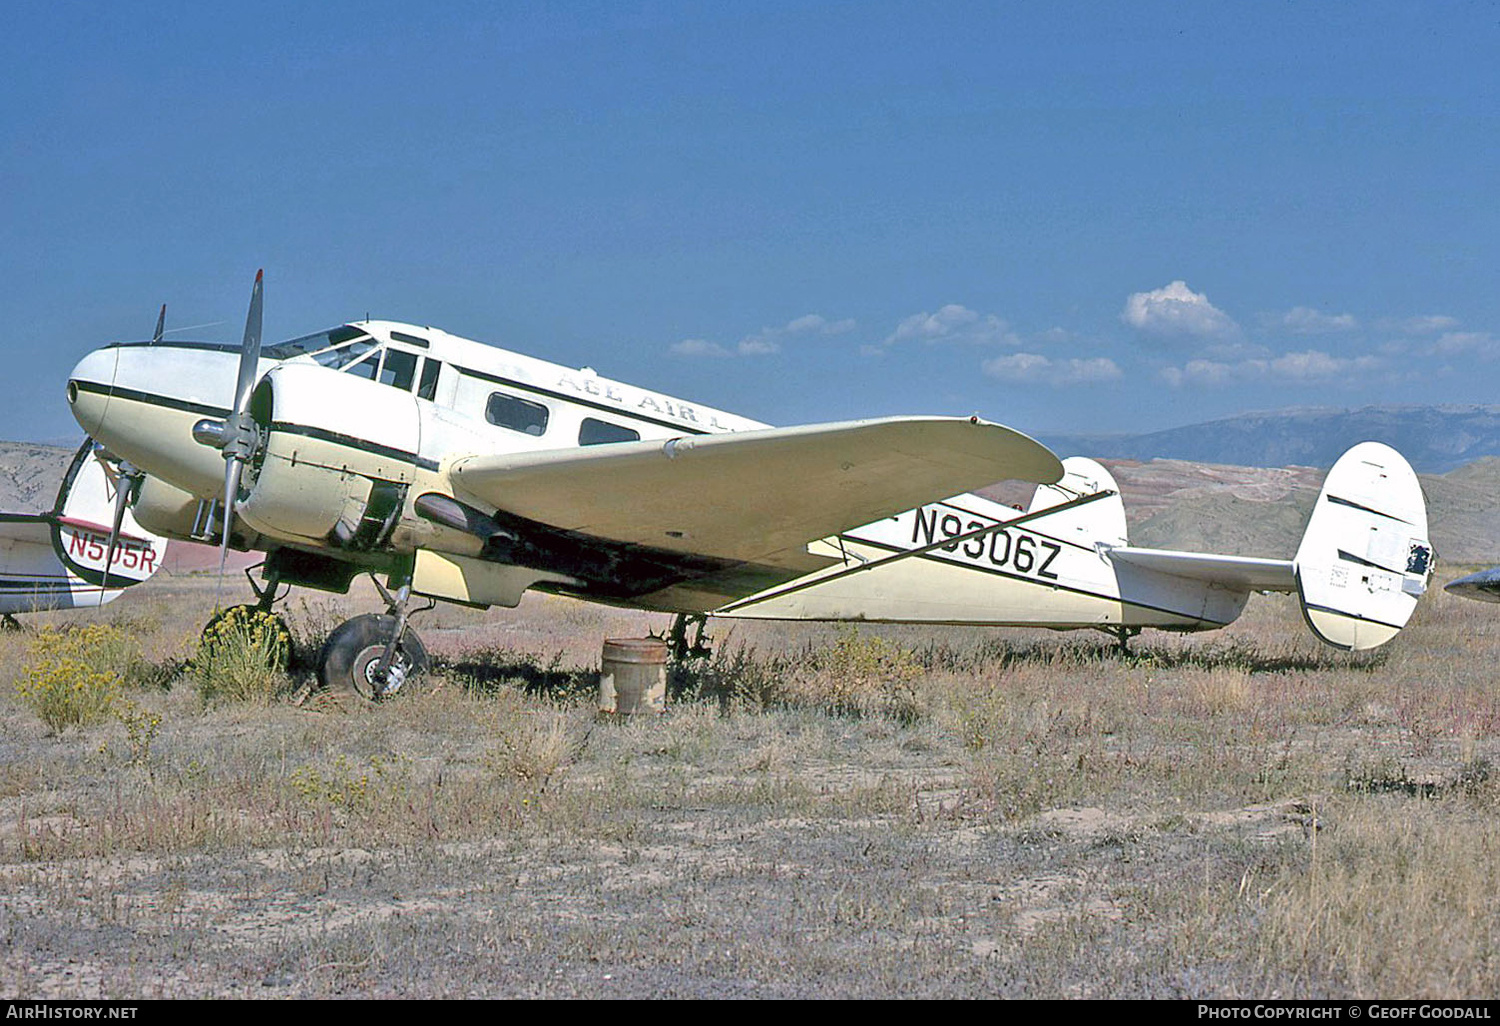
<point x="28" y="529"/>
<point x="754" y="496"/>
<point x="1241" y="573"/>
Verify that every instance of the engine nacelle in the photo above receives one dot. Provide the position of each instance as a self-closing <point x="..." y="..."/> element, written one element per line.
<point x="335" y="457"/>
<point x="166" y="509"/>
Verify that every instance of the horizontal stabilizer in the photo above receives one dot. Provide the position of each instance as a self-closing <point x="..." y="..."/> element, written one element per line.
<point x="1239" y="573"/>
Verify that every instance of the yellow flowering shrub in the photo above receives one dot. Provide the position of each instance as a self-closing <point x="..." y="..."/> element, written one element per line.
<point x="67" y="680"/>
<point x="241" y="657"/>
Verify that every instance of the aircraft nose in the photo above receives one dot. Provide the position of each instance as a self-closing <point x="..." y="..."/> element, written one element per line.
<point x="1484" y="586"/>
<point x="89" y="389"/>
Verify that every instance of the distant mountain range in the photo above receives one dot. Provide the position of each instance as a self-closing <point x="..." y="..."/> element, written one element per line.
<point x="1435" y="439"/>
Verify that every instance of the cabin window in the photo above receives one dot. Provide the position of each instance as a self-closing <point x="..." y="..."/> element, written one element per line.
<point x="411" y="340"/>
<point x="430" y="371"/>
<point x="518" y="414"/>
<point x="602" y="432"/>
<point x="400" y="369"/>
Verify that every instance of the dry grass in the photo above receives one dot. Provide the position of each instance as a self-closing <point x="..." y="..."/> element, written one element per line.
<point x="881" y="812"/>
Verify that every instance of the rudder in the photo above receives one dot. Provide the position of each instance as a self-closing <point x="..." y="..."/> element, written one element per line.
<point x="1364" y="559"/>
<point x="81" y="522"/>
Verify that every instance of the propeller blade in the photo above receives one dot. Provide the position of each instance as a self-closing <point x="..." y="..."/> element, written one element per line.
<point x="231" y="493"/>
<point x="161" y="322"/>
<point x="238" y="432"/>
<point x="250" y="348"/>
<point x="122" y="501"/>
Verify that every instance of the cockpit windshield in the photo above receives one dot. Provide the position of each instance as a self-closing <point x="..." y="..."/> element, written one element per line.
<point x="314" y="343"/>
<point x="345" y="355"/>
<point x="352" y="351"/>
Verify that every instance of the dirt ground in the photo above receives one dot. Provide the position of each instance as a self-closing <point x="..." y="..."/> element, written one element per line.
<point x="821" y="812"/>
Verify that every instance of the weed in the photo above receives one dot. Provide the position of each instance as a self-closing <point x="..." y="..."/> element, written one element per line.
<point x="733" y="677"/>
<point x="141" y="728"/>
<point x="347" y="786"/>
<point x="1391" y="900"/>
<point x="533" y="751"/>
<point x="69" y="680"/>
<point x="239" y="657"/>
<point x="858" y="675"/>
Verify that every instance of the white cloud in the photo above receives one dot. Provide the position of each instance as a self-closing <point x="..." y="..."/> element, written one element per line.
<point x="953" y="324"/>
<point x="1465" y="343"/>
<point x="698" y="347"/>
<point x="1315" y="365"/>
<point x="1309" y="367"/>
<point x="768" y="340"/>
<point x="758" y="345"/>
<point x="1211" y="374"/>
<point x="1304" y="320"/>
<point x="818" y="324"/>
<point x="1176" y="310"/>
<point x="1035" y="368"/>
<point x="1430" y="324"/>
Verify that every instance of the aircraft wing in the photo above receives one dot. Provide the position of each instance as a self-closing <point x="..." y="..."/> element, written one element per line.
<point x="753" y="496"/>
<point x="26" y="529"/>
<point x="1241" y="573"/>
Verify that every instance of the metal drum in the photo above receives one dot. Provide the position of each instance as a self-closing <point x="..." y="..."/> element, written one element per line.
<point x="633" y="676"/>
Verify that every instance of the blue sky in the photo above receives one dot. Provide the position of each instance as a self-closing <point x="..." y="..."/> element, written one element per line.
<point x="1064" y="217"/>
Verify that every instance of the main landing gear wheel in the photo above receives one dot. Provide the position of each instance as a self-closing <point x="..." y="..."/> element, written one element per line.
<point x="350" y="660"/>
<point x="254" y="619"/>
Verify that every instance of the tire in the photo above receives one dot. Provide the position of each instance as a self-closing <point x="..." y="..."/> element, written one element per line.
<point x="249" y="614"/>
<point x="349" y="656"/>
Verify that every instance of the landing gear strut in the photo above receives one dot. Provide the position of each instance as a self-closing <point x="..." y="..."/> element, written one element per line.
<point x="1122" y="636"/>
<point x="374" y="655"/>
<point x="677" y="638"/>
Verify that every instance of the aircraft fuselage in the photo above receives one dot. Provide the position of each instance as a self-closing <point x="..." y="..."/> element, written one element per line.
<point x="358" y="427"/>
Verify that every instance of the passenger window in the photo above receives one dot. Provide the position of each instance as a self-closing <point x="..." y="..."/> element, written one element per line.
<point x="600" y="432"/>
<point x="508" y="411"/>
<point x="399" y="370"/>
<point x="430" y="371"/>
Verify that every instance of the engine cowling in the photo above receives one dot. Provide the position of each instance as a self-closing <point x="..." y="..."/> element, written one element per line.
<point x="334" y="459"/>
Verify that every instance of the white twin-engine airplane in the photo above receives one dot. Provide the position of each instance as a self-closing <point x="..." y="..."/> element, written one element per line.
<point x="468" y="473"/>
<point x="83" y="553"/>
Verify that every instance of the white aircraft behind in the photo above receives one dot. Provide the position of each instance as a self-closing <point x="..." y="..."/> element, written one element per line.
<point x="468" y="473"/>
<point x="65" y="559"/>
<point x="1483" y="586"/>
